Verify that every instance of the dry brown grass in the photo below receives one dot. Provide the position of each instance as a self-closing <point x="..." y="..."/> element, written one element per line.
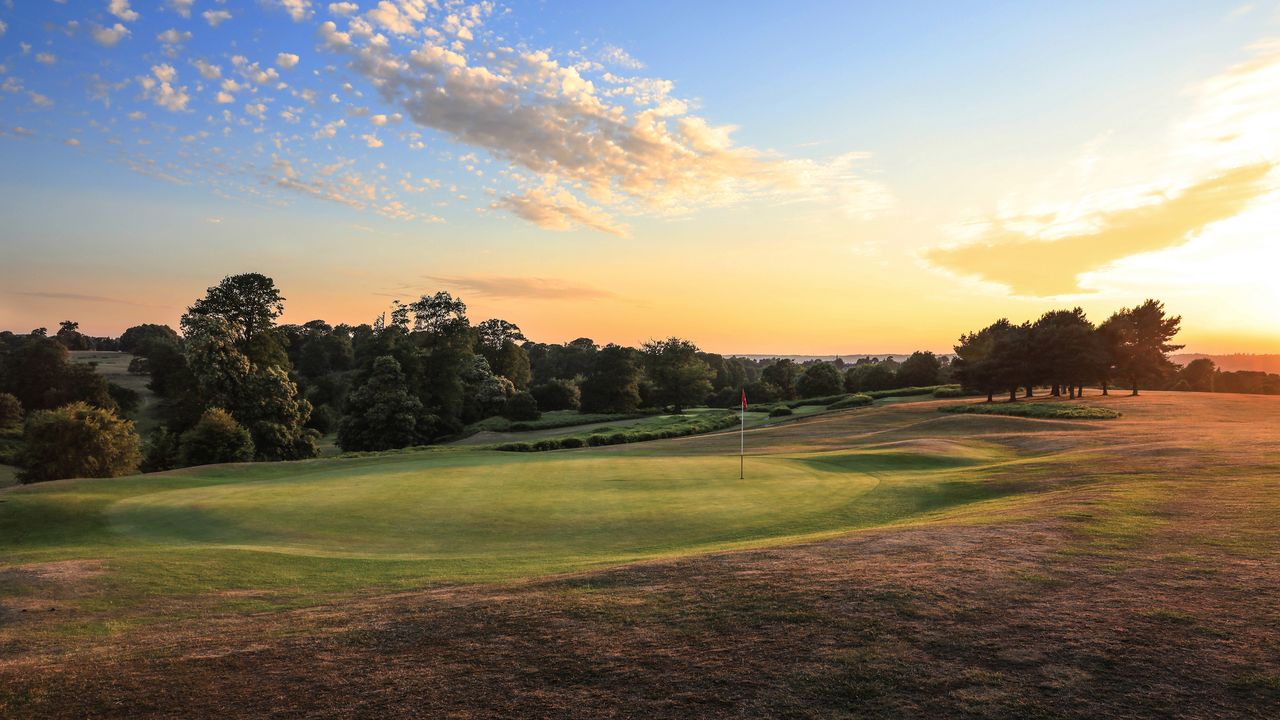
<point x="1145" y="582"/>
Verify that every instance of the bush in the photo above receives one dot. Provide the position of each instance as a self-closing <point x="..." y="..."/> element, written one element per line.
<point x="216" y="438"/>
<point x="557" y="394"/>
<point x="1040" y="410"/>
<point x="78" y="440"/>
<point x="160" y="451"/>
<point x="948" y="391"/>
<point x="851" y="401"/>
<point x="678" y="426"/>
<point x="521" y="406"/>
<point x="902" y="392"/>
<point x="127" y="400"/>
<point x="820" y="378"/>
<point x="10" y="411"/>
<point x="781" y="411"/>
<point x="324" y="419"/>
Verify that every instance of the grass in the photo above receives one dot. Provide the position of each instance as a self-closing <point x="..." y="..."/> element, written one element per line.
<point x="657" y="427"/>
<point x="114" y="366"/>
<point x="1040" y="410"/>
<point x="890" y="560"/>
<point x="550" y="420"/>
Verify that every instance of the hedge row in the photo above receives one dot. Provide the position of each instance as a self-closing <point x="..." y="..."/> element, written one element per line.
<point x="1040" y="410"/>
<point x="852" y="401"/>
<point x="694" y="427"/>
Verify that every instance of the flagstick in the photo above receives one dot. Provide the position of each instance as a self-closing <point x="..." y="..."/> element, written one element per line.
<point x="742" y="438"/>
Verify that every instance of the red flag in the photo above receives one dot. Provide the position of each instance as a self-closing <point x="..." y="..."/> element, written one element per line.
<point x="744" y="398"/>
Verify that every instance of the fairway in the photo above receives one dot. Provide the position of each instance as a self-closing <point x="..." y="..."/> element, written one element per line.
<point x="295" y="531"/>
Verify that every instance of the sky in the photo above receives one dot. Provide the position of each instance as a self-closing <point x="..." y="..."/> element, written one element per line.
<point x="805" y="178"/>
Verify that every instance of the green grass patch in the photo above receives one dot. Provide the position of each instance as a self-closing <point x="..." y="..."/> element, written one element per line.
<point x="660" y="427"/>
<point x="549" y="421"/>
<point x="1039" y="410"/>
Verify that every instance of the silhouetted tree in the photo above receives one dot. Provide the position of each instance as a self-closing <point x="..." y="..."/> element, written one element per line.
<point x="382" y="414"/>
<point x="820" y="379"/>
<point x="783" y="375"/>
<point x="1199" y="375"/>
<point x="679" y="376"/>
<point x="613" y="384"/>
<point x="1145" y="332"/>
<point x="919" y="370"/>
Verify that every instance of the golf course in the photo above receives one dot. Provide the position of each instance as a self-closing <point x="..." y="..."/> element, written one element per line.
<point x="978" y="550"/>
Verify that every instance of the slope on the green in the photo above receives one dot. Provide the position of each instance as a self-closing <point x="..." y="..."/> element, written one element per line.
<point x="303" y="529"/>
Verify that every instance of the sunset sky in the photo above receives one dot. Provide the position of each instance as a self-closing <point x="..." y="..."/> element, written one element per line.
<point x="759" y="177"/>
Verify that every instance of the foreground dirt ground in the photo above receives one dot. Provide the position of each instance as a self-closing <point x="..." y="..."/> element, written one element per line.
<point x="1143" y="581"/>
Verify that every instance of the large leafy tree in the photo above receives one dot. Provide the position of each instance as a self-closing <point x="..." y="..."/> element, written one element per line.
<point x="680" y="377"/>
<point x="1145" y="332"/>
<point x="382" y="414"/>
<point x="819" y="379"/>
<point x="249" y="303"/>
<point x="40" y="373"/>
<point x="978" y="365"/>
<point x="613" y="384"/>
<point x="78" y="440"/>
<point x="783" y="375"/>
<point x="919" y="370"/>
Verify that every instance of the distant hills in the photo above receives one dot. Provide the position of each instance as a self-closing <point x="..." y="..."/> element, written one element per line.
<point x="829" y="358"/>
<point x="1232" y="363"/>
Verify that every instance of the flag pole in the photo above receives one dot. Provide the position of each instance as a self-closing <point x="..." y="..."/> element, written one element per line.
<point x="742" y="437"/>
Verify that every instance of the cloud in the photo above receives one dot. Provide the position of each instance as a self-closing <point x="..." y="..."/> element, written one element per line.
<point x="286" y="60"/>
<point x="208" y="70"/>
<point x="526" y="288"/>
<point x="388" y="16"/>
<point x="1050" y="264"/>
<point x="592" y="157"/>
<point x="3" y="28"/>
<point x="557" y="209"/>
<point x="343" y="8"/>
<point x="109" y="37"/>
<point x="46" y="58"/>
<point x="215" y="17"/>
<point x="182" y="7"/>
<point x="120" y="8"/>
<point x="159" y="88"/>
<point x="614" y="55"/>
<point x="78" y="298"/>
<point x="299" y="10"/>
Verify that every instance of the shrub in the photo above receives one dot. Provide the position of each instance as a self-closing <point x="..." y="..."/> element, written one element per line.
<point x="216" y="438"/>
<point x="557" y="394"/>
<point x="127" y="400"/>
<point x="901" y="392"/>
<point x="948" y="391"/>
<point x="821" y="378"/>
<point x="781" y="411"/>
<point x="851" y="401"/>
<point x="1040" y="410"/>
<point x="160" y="451"/>
<point x="10" y="411"/>
<point x="324" y="419"/>
<point x="521" y="406"/>
<point x="78" y="440"/>
<point x="572" y="442"/>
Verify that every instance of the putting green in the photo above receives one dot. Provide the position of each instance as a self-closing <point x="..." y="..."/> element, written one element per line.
<point x="303" y="531"/>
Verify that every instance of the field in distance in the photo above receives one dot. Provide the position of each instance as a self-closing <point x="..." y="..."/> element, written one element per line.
<point x="890" y="561"/>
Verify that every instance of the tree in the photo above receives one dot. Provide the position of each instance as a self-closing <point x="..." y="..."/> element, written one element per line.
<point x="613" y="385"/>
<point x="870" y="376"/>
<point x="382" y="414"/>
<point x="10" y="411"/>
<point x="495" y="333"/>
<point x="521" y="406"/>
<point x="42" y="376"/>
<point x="919" y="370"/>
<point x="78" y="440"/>
<point x="819" y="379"/>
<point x="510" y="361"/>
<point x="70" y="337"/>
<point x="216" y="438"/>
<point x="557" y="394"/>
<point x="1199" y="375"/>
<point x="783" y="375"/>
<point x="1143" y="352"/>
<point x="249" y="303"/>
<point x="438" y="313"/>
<point x="680" y="377"/>
<point x="977" y="365"/>
<point x="137" y="339"/>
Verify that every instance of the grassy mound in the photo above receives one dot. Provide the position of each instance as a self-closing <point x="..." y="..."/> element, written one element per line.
<point x="660" y="427"/>
<point x="1039" y="410"/>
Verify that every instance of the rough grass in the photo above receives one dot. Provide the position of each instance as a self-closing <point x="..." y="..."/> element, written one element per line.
<point x="1026" y="568"/>
<point x="659" y="427"/>
<point x="1040" y="410"/>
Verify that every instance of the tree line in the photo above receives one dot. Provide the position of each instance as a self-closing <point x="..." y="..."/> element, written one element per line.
<point x="232" y="384"/>
<point x="1066" y="352"/>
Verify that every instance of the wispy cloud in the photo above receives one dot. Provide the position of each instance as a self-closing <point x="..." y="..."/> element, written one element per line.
<point x="78" y="297"/>
<point x="527" y="288"/>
